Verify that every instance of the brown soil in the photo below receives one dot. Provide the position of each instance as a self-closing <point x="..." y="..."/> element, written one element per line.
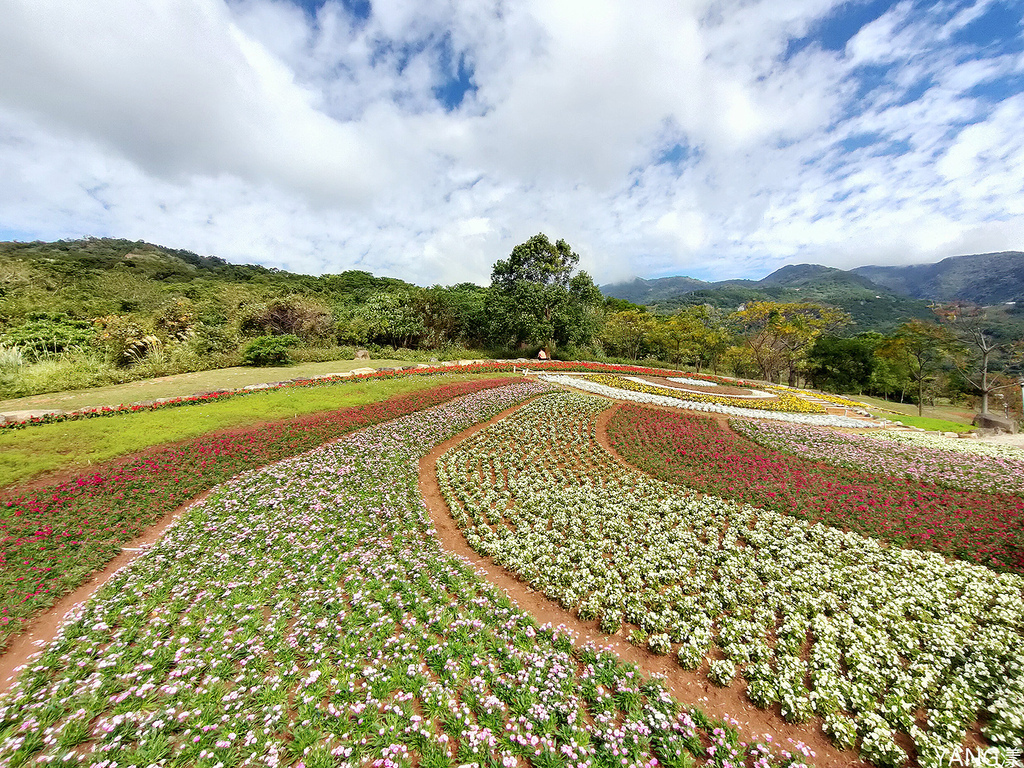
<point x="690" y="688"/>
<point x="42" y="629"/>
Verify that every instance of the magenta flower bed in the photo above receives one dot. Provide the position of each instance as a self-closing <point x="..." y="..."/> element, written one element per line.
<point x="52" y="539"/>
<point x="696" y="452"/>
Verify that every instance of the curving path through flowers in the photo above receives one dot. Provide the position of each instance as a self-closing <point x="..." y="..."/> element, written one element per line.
<point x="304" y="614"/>
<point x="701" y="578"/>
<point x="685" y="685"/>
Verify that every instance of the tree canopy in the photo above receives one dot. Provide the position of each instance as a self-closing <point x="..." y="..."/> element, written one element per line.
<point x="537" y="301"/>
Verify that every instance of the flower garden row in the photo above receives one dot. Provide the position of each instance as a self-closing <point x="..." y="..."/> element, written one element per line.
<point x="941" y="442"/>
<point x="482" y="367"/>
<point x="227" y="394"/>
<point x="305" y="615"/>
<point x="876" y="640"/>
<point x="322" y="381"/>
<point x="698" y="453"/>
<point x="623" y="388"/>
<point x="781" y="400"/>
<point x="52" y="539"/>
<point x="935" y="461"/>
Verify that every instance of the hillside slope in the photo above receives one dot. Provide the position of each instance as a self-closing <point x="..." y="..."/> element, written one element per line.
<point x="985" y="278"/>
<point x="102" y="276"/>
<point x="872" y="306"/>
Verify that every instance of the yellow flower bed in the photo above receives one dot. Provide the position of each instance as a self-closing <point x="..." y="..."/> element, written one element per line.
<point x="837" y="400"/>
<point x="783" y="400"/>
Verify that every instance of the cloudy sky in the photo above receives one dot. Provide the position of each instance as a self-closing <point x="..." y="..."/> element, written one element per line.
<point x="423" y="140"/>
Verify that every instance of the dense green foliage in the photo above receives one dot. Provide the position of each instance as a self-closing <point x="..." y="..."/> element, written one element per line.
<point x="45" y="333"/>
<point x="536" y="301"/>
<point x="269" y="350"/>
<point x="841" y="365"/>
<point x="90" y="312"/>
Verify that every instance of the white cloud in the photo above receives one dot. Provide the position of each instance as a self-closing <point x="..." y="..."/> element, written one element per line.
<point x="258" y="132"/>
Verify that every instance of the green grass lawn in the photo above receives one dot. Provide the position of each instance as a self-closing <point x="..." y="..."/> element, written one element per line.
<point x="927" y="422"/>
<point x="944" y="412"/>
<point x="184" y="384"/>
<point x="34" y="451"/>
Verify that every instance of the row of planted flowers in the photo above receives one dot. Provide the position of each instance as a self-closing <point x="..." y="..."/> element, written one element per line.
<point x="622" y="388"/>
<point x="227" y="394"/>
<point x="959" y="445"/>
<point x="776" y="400"/>
<point x="52" y="539"/>
<point x="876" y="640"/>
<point x="475" y="367"/>
<point x="305" y="615"/>
<point x="696" y="452"/>
<point x="936" y="461"/>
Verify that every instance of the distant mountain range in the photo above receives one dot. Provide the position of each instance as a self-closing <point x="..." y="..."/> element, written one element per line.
<point x="984" y="278"/>
<point x="877" y="297"/>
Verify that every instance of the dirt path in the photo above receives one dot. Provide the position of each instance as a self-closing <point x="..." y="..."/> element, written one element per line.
<point x="43" y="628"/>
<point x="690" y="688"/>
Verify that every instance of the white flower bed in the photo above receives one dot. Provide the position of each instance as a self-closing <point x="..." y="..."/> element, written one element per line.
<point x="959" y="444"/>
<point x="692" y="382"/>
<point x="815" y="620"/>
<point x="821" y="420"/>
<point x="754" y="393"/>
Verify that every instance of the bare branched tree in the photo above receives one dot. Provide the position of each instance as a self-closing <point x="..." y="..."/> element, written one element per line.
<point x="979" y="346"/>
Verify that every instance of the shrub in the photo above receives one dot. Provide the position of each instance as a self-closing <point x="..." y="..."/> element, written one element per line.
<point x="122" y="338"/>
<point x="45" y="333"/>
<point x="11" y="358"/>
<point x="638" y="638"/>
<point x="660" y="644"/>
<point x="269" y="350"/>
<point x="611" y="621"/>
<point x="722" y="672"/>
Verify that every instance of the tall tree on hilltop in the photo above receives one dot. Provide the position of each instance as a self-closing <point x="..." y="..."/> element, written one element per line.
<point x="536" y="300"/>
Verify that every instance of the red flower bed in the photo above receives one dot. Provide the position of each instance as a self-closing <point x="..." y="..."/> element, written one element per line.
<point x="698" y="453"/>
<point x="52" y="539"/>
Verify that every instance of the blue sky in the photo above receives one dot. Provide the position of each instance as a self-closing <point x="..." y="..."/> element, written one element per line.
<point x="714" y="138"/>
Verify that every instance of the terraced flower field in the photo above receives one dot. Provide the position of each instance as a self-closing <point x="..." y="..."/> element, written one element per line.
<point x="305" y="615"/>
<point x="943" y="461"/>
<point x="52" y="538"/>
<point x="776" y="400"/>
<point x="782" y="406"/>
<point x="889" y="647"/>
<point x="698" y="453"/>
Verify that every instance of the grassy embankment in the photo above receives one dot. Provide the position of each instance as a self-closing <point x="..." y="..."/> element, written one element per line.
<point x="183" y="384"/>
<point x="938" y="418"/>
<point x="28" y="453"/>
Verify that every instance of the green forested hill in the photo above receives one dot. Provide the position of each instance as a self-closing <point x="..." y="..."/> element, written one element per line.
<point x="103" y="276"/>
<point x="873" y="308"/>
<point x="96" y="311"/>
<point x="641" y="291"/>
<point x="985" y="278"/>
